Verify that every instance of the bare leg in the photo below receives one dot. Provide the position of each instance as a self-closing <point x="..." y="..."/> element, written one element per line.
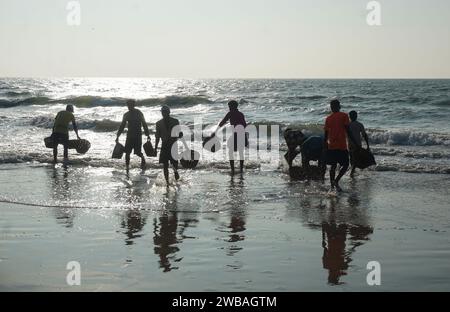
<point x="352" y="173"/>
<point x="305" y="163"/>
<point x="66" y="153"/>
<point x="290" y="155"/>
<point x="142" y="161"/>
<point x="332" y="175"/>
<point x="55" y="153"/>
<point x="232" y="166"/>
<point x="127" y="160"/>
<point x="323" y="169"/>
<point x="175" y="170"/>
<point x="166" y="172"/>
<point x="241" y="166"/>
<point x="286" y="156"/>
<point x="340" y="175"/>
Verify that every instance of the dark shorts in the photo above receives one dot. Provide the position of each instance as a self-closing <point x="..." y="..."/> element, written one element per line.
<point x="335" y="157"/>
<point x="60" y="138"/>
<point x="134" y="143"/>
<point x="165" y="155"/>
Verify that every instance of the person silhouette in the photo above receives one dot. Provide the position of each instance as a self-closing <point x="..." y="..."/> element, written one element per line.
<point x="60" y="132"/>
<point x="135" y="120"/>
<point x="165" y="129"/>
<point x="336" y="132"/>
<point x="238" y="141"/>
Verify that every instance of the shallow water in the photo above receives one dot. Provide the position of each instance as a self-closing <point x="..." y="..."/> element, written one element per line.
<point x="407" y="120"/>
<point x="258" y="231"/>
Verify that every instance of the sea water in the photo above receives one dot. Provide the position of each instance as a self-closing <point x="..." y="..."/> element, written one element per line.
<point x="210" y="230"/>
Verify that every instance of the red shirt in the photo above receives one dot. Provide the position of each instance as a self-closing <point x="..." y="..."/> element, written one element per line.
<point x="335" y="125"/>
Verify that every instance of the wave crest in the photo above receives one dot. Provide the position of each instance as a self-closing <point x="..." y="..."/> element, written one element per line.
<point x="104" y="125"/>
<point x="407" y="137"/>
<point x="96" y="101"/>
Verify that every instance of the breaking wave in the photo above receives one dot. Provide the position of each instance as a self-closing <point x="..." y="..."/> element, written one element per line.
<point x="105" y="125"/>
<point x="408" y="137"/>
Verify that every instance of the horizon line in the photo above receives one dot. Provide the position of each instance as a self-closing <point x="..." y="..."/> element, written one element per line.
<point x="227" y="78"/>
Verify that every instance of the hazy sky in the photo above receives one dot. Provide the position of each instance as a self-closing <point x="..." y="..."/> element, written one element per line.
<point x="226" y="39"/>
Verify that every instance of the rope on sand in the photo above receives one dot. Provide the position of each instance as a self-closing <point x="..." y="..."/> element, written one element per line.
<point x="45" y="205"/>
<point x="6" y="201"/>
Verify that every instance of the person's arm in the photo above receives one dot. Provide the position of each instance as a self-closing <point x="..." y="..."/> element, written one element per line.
<point x="121" y="128"/>
<point x="157" y="136"/>
<point x="223" y="122"/>
<point x="144" y="124"/>
<point x="349" y="132"/>
<point x="75" y="128"/>
<point x="325" y="135"/>
<point x="180" y="134"/>
<point x="54" y="122"/>
<point x="350" y="136"/>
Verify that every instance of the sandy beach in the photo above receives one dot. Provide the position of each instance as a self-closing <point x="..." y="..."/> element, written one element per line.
<point x="211" y="232"/>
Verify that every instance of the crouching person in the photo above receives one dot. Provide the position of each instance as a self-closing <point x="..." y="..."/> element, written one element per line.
<point x="310" y="148"/>
<point x="60" y="133"/>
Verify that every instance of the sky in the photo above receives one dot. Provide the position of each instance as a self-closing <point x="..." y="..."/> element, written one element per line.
<point x="225" y="39"/>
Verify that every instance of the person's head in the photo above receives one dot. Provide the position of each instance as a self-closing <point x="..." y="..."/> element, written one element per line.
<point x="131" y="104"/>
<point x="165" y="111"/>
<point x="69" y="108"/>
<point x="233" y="105"/>
<point x="335" y="105"/>
<point x="353" y="115"/>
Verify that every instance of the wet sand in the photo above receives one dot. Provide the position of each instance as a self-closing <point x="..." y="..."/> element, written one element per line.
<point x="211" y="232"/>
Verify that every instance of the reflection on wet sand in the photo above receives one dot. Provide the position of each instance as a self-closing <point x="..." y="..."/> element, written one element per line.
<point x="133" y="220"/>
<point x="345" y="225"/>
<point x="236" y="203"/>
<point x="166" y="241"/>
<point x="169" y="232"/>
<point x="61" y="192"/>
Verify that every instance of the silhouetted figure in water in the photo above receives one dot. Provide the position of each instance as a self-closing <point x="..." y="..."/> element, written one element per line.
<point x="60" y="133"/>
<point x="168" y="131"/>
<point x="336" y="132"/>
<point x="357" y="129"/>
<point x="238" y="141"/>
<point x="135" y="121"/>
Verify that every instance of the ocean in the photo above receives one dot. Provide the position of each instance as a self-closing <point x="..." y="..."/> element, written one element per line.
<point x="259" y="231"/>
<point x="407" y="120"/>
